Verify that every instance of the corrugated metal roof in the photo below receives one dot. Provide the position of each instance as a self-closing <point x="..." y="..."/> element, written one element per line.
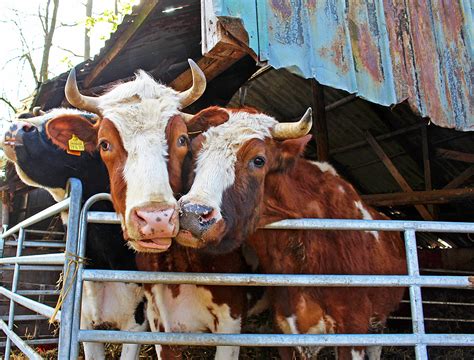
<point x="384" y="51"/>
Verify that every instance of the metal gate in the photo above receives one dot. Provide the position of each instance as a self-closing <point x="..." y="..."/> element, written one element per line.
<point x="42" y="263"/>
<point x="414" y="281"/>
<point x="71" y="335"/>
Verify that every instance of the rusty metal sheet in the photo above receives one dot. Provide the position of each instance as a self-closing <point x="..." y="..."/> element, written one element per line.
<point x="386" y="51"/>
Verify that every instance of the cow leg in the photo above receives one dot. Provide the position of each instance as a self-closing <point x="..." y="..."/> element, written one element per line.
<point x="350" y="353"/>
<point x="374" y="352"/>
<point x="94" y="351"/>
<point x="232" y="326"/>
<point x="130" y="351"/>
<point x="226" y="324"/>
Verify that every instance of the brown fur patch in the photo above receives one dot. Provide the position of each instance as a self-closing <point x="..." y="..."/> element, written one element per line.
<point x="60" y="130"/>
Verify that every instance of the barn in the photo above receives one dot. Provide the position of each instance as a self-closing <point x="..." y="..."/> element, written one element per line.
<point x="391" y="90"/>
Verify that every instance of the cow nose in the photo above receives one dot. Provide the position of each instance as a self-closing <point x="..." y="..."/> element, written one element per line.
<point x="14" y="135"/>
<point x="196" y="218"/>
<point x="152" y="222"/>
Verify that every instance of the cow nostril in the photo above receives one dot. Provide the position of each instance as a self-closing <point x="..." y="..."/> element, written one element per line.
<point x="27" y="127"/>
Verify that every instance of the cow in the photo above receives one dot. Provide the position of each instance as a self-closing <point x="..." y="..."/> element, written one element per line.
<point x="39" y="162"/>
<point x="248" y="173"/>
<point x="143" y="141"/>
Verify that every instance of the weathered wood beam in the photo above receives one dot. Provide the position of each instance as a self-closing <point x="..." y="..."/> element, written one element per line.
<point x="224" y="42"/>
<point x="319" y="129"/>
<point x="338" y="103"/>
<point x="461" y="178"/>
<point x="455" y="155"/>
<point x="419" y="197"/>
<point x="425" y="214"/>
<point x="427" y="164"/>
<point x="379" y="137"/>
<point x="120" y="43"/>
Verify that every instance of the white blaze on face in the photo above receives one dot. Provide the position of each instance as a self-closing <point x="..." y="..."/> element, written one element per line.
<point x="215" y="165"/>
<point x="140" y="110"/>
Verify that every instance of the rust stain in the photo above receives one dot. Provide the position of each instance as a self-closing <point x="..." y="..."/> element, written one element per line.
<point x="471" y="280"/>
<point x="290" y="19"/>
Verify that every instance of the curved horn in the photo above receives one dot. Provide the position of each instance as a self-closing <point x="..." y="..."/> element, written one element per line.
<point x="78" y="100"/>
<point x="199" y="86"/>
<point x="37" y="111"/>
<point x="294" y="130"/>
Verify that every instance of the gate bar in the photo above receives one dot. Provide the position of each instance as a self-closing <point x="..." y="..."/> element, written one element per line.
<point x="207" y="339"/>
<point x="30" y="304"/>
<point x="16" y="276"/>
<point x="275" y="279"/>
<point x="74" y="190"/>
<point x="44" y="259"/>
<point x="22" y="345"/>
<point x="44" y="214"/>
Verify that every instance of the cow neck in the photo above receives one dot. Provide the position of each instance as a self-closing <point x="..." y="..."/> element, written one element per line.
<point x="306" y="191"/>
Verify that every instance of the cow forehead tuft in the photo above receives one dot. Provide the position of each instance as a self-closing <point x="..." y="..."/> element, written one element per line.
<point x="240" y="127"/>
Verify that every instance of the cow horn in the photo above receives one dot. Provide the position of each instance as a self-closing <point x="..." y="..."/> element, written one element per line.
<point x="186" y="117"/>
<point x="199" y="86"/>
<point x="294" y="130"/>
<point x="37" y="111"/>
<point x="78" y="100"/>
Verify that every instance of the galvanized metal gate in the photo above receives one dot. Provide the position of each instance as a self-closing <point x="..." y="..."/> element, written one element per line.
<point x="71" y="335"/>
<point x="73" y="204"/>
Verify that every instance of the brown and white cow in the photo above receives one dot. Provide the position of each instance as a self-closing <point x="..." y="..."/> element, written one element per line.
<point x="249" y="173"/>
<point x="144" y="144"/>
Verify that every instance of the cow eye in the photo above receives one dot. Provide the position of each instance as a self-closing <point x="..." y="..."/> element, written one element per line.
<point x="182" y="140"/>
<point x="104" y="145"/>
<point x="258" y="161"/>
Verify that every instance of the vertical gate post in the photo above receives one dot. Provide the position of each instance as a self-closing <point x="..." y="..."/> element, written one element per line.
<point x="67" y="308"/>
<point x="76" y="324"/>
<point x="16" y="277"/>
<point x="415" y="293"/>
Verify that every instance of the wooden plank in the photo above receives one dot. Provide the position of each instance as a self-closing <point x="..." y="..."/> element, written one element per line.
<point x="419" y="197"/>
<point x="138" y="20"/>
<point x="461" y="178"/>
<point x="426" y="164"/>
<point x="379" y="137"/>
<point x="425" y="214"/>
<point x="319" y="129"/>
<point x="224" y="42"/>
<point x="455" y="155"/>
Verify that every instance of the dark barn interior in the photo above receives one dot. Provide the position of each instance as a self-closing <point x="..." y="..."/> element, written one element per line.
<point x="401" y="163"/>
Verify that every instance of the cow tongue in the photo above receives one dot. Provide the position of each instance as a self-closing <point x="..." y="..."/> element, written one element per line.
<point x="156" y="243"/>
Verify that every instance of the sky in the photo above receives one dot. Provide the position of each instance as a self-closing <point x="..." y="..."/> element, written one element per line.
<point x="16" y="80"/>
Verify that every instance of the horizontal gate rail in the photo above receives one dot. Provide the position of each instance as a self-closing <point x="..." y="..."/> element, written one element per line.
<point x="42" y="215"/>
<point x="332" y="224"/>
<point x="45" y="259"/>
<point x="37" y="244"/>
<point x="42" y="309"/>
<point x="275" y="339"/>
<point x="275" y="279"/>
<point x="413" y="280"/>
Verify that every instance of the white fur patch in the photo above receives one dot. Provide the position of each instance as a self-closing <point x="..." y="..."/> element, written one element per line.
<point x="325" y="167"/>
<point x="357" y="355"/>
<point x="193" y="310"/>
<point x="341" y="189"/>
<point x="140" y="110"/>
<point x="215" y="166"/>
<point x="366" y="216"/>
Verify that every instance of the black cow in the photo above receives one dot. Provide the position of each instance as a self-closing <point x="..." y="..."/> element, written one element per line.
<point x="40" y="163"/>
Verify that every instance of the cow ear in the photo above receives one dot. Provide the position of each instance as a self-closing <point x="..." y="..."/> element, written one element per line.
<point x="203" y="120"/>
<point x="292" y="149"/>
<point x="72" y="127"/>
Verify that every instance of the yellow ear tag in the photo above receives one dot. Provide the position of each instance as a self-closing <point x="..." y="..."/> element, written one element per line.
<point x="75" y="146"/>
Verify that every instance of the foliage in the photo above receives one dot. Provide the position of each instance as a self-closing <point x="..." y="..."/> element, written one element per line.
<point x="110" y="18"/>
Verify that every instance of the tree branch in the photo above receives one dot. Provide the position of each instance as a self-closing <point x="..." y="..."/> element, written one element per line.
<point x="6" y="101"/>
